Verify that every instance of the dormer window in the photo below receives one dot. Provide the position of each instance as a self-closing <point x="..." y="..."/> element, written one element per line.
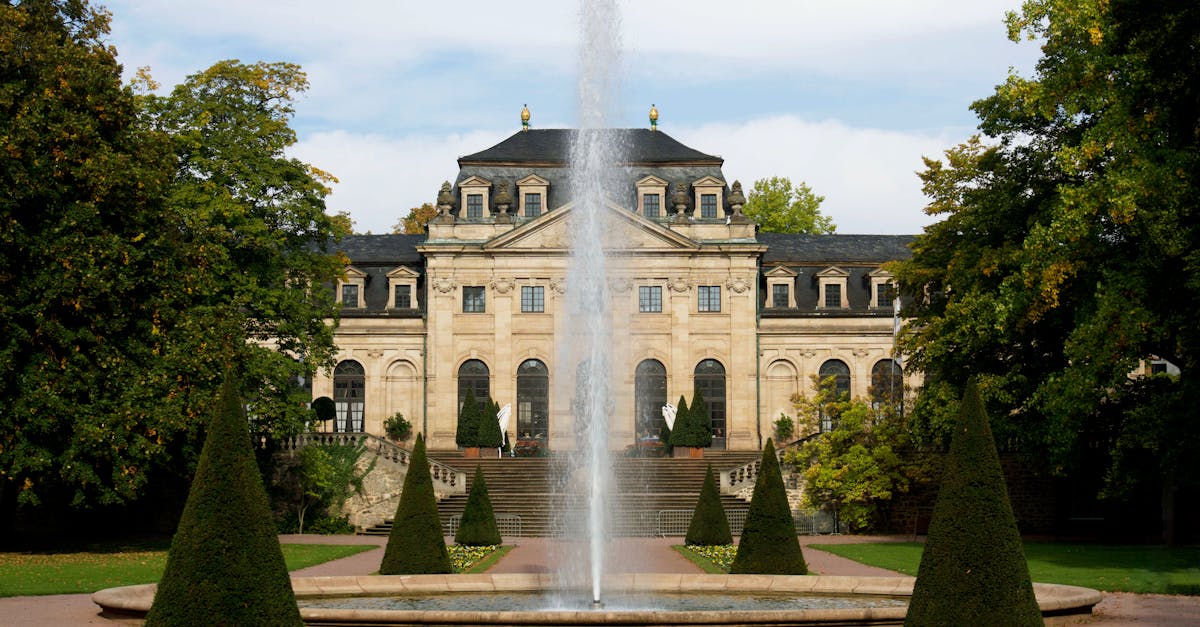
<point x="780" y="292"/>
<point x="652" y="197"/>
<point x="531" y="196"/>
<point x="832" y="283"/>
<point x="475" y="193"/>
<point x="883" y="289"/>
<point x="352" y="289"/>
<point x="402" y="284"/>
<point x="709" y="199"/>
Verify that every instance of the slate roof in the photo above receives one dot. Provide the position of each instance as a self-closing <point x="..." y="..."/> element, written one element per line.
<point x="791" y="249"/>
<point x="553" y="145"/>
<point x="381" y="249"/>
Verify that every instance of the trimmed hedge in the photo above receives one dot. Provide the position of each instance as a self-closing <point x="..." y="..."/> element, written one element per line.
<point x="489" y="435"/>
<point x="973" y="569"/>
<point x="478" y="525"/>
<point x="692" y="425"/>
<point x="769" y="545"/>
<point x="225" y="565"/>
<point x="709" y="526"/>
<point x="467" y="434"/>
<point x="416" y="545"/>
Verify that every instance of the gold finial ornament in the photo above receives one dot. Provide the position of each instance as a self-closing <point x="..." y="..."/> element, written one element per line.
<point x="653" y="118"/>
<point x="525" y="117"/>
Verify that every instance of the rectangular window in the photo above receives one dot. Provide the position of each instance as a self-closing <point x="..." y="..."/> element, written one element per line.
<point x="473" y="300"/>
<point x="650" y="205"/>
<point x="474" y="206"/>
<point x="650" y="299"/>
<point x="350" y="296"/>
<point x="403" y="297"/>
<point x="533" y="299"/>
<point x="710" y="297"/>
<point x="708" y="205"/>
<point x="779" y="295"/>
<point x="833" y="295"/>
<point x="884" y="294"/>
<point x="533" y="205"/>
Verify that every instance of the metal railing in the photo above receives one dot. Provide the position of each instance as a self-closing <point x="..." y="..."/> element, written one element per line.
<point x="509" y="524"/>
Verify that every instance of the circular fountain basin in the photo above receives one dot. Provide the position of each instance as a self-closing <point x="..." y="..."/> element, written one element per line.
<point x="1057" y="601"/>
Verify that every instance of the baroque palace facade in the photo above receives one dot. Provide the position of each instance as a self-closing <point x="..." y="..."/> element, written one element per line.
<point x="700" y="301"/>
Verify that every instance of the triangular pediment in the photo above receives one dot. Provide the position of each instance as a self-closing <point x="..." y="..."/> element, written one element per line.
<point x="403" y="273"/>
<point x="780" y="271"/>
<point x="651" y="181"/>
<point x="880" y="273"/>
<point x="623" y="230"/>
<point x="832" y="271"/>
<point x="709" y="181"/>
<point x="533" y="180"/>
<point x="355" y="273"/>
<point x="475" y="181"/>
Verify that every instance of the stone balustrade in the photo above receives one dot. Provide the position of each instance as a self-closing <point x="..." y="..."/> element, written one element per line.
<point x="446" y="480"/>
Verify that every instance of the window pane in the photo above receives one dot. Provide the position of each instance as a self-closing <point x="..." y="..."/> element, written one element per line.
<point x="779" y="295"/>
<point x="710" y="297"/>
<point x="533" y="400"/>
<point x="474" y="206"/>
<point x="883" y="294"/>
<point x="533" y="205"/>
<point x="710" y="383"/>
<point x="473" y="375"/>
<point x="350" y="296"/>
<point x="533" y="299"/>
<point x="403" y="297"/>
<point x="833" y="295"/>
<point x="650" y="299"/>
<point x="708" y="205"/>
<point x="473" y="300"/>
<point x="349" y="396"/>
<point x="650" y="205"/>
<point x="650" y="394"/>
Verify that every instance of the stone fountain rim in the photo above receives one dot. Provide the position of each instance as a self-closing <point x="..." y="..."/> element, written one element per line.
<point x="1053" y="599"/>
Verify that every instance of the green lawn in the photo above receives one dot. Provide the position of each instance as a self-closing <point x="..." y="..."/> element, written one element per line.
<point x="1142" y="569"/>
<point x="109" y="566"/>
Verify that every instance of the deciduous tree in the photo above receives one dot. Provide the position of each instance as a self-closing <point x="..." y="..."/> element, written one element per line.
<point x="414" y="223"/>
<point x="779" y="207"/>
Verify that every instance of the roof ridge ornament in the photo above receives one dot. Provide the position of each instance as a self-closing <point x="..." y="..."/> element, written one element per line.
<point x="653" y="117"/>
<point x="525" y="117"/>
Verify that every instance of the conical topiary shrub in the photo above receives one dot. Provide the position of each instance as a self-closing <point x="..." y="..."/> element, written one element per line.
<point x="225" y="565"/>
<point x="416" y="545"/>
<point x="709" y="526"/>
<point x="691" y="425"/>
<point x="973" y="569"/>
<point x="467" y="434"/>
<point x="478" y="524"/>
<point x="769" y="545"/>
<point x="489" y="435"/>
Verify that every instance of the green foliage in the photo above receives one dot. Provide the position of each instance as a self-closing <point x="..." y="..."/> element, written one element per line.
<point x="225" y="559"/>
<point x="414" y="223"/>
<point x="768" y="544"/>
<point x="478" y="525"/>
<point x="973" y="567"/>
<point x="692" y="426"/>
<point x="1067" y="244"/>
<point x="709" y="526"/>
<point x="785" y="428"/>
<point x="416" y="545"/>
<point x="328" y="475"/>
<point x="324" y="408"/>
<point x="467" y="434"/>
<point x="779" y="207"/>
<point x="489" y="434"/>
<point x="397" y="427"/>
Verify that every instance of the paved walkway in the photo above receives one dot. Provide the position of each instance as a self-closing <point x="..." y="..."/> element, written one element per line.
<point x="633" y="555"/>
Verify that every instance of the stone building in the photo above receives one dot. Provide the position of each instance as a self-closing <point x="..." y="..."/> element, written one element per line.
<point x="699" y="300"/>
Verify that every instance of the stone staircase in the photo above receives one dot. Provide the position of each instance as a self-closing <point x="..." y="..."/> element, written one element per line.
<point x="538" y="491"/>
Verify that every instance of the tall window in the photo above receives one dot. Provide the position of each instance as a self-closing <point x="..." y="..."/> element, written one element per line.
<point x="474" y="206"/>
<point x="349" y="396"/>
<point x="350" y="296"/>
<point x="533" y="299"/>
<point x="840" y="372"/>
<point x="650" y="299"/>
<point x="710" y="383"/>
<point x="649" y="394"/>
<point x="885" y="294"/>
<point x="533" y="205"/>
<point x="779" y="295"/>
<point x="833" y="295"/>
<point x="474" y="300"/>
<point x="403" y="297"/>
<point x="708" y="205"/>
<point x="533" y="400"/>
<point x="710" y="297"/>
<point x="650" y="205"/>
<point x="473" y="375"/>
<point x="887" y="384"/>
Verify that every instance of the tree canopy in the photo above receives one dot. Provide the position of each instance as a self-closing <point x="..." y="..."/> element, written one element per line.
<point x="778" y="206"/>
<point x="414" y="223"/>
<point x="1069" y="245"/>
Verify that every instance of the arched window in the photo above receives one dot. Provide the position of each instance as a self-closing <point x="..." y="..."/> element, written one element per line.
<point x="473" y="375"/>
<point x="349" y="396"/>
<point x="840" y="372"/>
<point x="710" y="383"/>
<point x="533" y="400"/>
<point x="649" y="396"/>
<point x="887" y="384"/>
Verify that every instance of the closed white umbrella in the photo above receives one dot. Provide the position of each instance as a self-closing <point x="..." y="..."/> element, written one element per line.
<point x="502" y="417"/>
<point x="669" y="412"/>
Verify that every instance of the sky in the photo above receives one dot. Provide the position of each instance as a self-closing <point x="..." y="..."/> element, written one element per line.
<point x="845" y="95"/>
